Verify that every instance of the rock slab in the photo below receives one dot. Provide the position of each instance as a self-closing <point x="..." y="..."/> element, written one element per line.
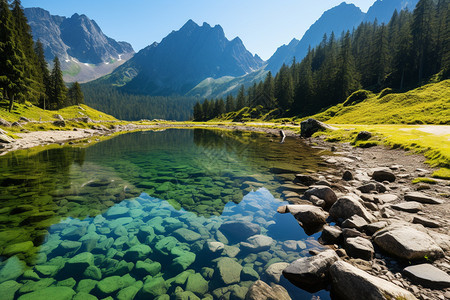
<point x="428" y="276"/>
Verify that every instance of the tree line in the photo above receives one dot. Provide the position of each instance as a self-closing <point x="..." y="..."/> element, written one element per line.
<point x="24" y="73"/>
<point x="402" y="54"/>
<point x="112" y="100"/>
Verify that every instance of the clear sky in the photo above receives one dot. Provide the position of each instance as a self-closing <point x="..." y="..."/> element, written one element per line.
<point x="263" y="25"/>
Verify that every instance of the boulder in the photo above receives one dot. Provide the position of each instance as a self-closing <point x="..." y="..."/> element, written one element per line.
<point x="370" y="229"/>
<point x="8" y="289"/>
<point x="214" y="248"/>
<point x="428" y="276"/>
<point x="137" y="252"/>
<point x="12" y="269"/>
<point x="422" y="198"/>
<point x="367" y="188"/>
<point x="154" y="287"/>
<point x="383" y="174"/>
<point x="145" y="268"/>
<point x="323" y="192"/>
<point x="407" y="243"/>
<point x="331" y="235"/>
<point x="186" y="235"/>
<point x="348" y="206"/>
<point x="359" y="247"/>
<point x="311" y="273"/>
<point x="363" y="135"/>
<point x="249" y="274"/>
<point x="308" y="215"/>
<point x="59" y="123"/>
<point x="349" y="282"/>
<point x="411" y="207"/>
<point x="426" y="222"/>
<point x="262" y="291"/>
<point x="305" y="179"/>
<point x="4" y="123"/>
<point x="311" y="126"/>
<point x="385" y="198"/>
<point x="354" y="221"/>
<point x="60" y="293"/>
<point x="274" y="271"/>
<point x="239" y="230"/>
<point x="197" y="284"/>
<point x="257" y="243"/>
<point x="228" y="270"/>
<point x="5" y="139"/>
<point x="347" y="176"/>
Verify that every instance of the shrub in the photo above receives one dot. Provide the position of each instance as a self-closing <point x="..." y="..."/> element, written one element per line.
<point x="357" y="97"/>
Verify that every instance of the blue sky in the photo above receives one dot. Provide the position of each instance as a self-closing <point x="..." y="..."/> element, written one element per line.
<point x="262" y="25"/>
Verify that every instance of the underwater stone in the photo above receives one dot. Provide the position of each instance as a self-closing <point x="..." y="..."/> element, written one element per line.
<point x="184" y="258"/>
<point x="197" y="284"/>
<point x="130" y="292"/>
<point x="120" y="221"/>
<point x="60" y="293"/>
<point x="144" y="232"/>
<point x="143" y="268"/>
<point x="257" y="243"/>
<point x="30" y="275"/>
<point x="69" y="246"/>
<point x="32" y="286"/>
<point x="92" y="272"/>
<point x="120" y="231"/>
<point x="23" y="247"/>
<point x="74" y="232"/>
<point x="12" y="269"/>
<point x="239" y="230"/>
<point x="154" y="287"/>
<point x="138" y="252"/>
<point x="84" y="296"/>
<point x="110" y="284"/>
<point x="187" y="235"/>
<point x="69" y="282"/>
<point x="249" y="274"/>
<point x="228" y="270"/>
<point x="117" y="212"/>
<point x="8" y="289"/>
<point x="47" y="270"/>
<point x="165" y="245"/>
<point x="86" y="285"/>
<point x="80" y="262"/>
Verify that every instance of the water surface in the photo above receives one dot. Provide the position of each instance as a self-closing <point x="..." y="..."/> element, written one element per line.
<point x="146" y="215"/>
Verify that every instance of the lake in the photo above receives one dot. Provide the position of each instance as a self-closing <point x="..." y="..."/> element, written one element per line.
<point x="175" y="214"/>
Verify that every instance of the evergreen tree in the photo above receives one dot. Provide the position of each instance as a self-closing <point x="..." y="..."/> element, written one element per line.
<point x="219" y="108"/>
<point x="45" y="74"/>
<point x="58" y="88"/>
<point x="229" y="105"/>
<point x="75" y="95"/>
<point x="12" y="59"/>
<point x="346" y="80"/>
<point x="269" y="92"/>
<point x="240" y="100"/>
<point x="198" y="112"/>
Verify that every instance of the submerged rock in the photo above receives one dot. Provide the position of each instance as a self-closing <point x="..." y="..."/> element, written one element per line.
<point x="257" y="243"/>
<point x="239" y="230"/>
<point x="228" y="270"/>
<point x="350" y="282"/>
<point x="274" y="271"/>
<point x="12" y="269"/>
<point x="197" y="284"/>
<point x="262" y="291"/>
<point x="60" y="293"/>
<point x="8" y="289"/>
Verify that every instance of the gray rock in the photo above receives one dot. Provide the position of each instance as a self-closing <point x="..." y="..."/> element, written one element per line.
<point x="367" y="188"/>
<point x="385" y="198"/>
<point x="331" y="235"/>
<point x="311" y="126"/>
<point x="347" y="176"/>
<point x="305" y="179"/>
<point x="347" y="206"/>
<point x="274" y="271"/>
<point x="257" y="243"/>
<point x="4" y="123"/>
<point x="308" y="214"/>
<point x="359" y="247"/>
<point x="411" y="207"/>
<point x="323" y="192"/>
<point x="59" y="123"/>
<point x="5" y="139"/>
<point x="214" y="247"/>
<point x="383" y="174"/>
<point x="350" y="282"/>
<point x="370" y="229"/>
<point x="363" y="135"/>
<point x="239" y="230"/>
<point x="407" y="243"/>
<point x="262" y="291"/>
<point x="354" y="222"/>
<point x="291" y="245"/>
<point x="311" y="273"/>
<point x="228" y="270"/>
<point x="426" y="222"/>
<point x="317" y="201"/>
<point x="350" y="233"/>
<point x="422" y="198"/>
<point x="428" y="276"/>
<point x="12" y="269"/>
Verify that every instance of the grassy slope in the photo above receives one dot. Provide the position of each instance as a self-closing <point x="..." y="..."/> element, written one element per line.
<point x="429" y="104"/>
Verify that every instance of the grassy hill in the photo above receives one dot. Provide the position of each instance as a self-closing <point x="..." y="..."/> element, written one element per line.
<point x="429" y="104"/>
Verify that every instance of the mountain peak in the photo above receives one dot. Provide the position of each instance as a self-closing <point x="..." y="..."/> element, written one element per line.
<point x="189" y="25"/>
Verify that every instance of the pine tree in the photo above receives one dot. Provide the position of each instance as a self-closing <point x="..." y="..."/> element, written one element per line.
<point x="12" y="59"/>
<point x="219" y="108"/>
<point x="58" y="88"/>
<point x="229" y="105"/>
<point x="198" y="112"/>
<point x="268" y="93"/>
<point x="45" y="74"/>
<point x="240" y="100"/>
<point x="346" y="80"/>
<point x="75" y="95"/>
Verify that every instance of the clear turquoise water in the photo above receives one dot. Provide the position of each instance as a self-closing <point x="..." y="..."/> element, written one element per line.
<point x="134" y="216"/>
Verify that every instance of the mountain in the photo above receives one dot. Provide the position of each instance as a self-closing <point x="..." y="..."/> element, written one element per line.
<point x="86" y="53"/>
<point x="338" y="19"/>
<point x="182" y="60"/>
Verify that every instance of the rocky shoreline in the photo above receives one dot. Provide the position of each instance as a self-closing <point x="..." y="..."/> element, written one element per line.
<point x="386" y="235"/>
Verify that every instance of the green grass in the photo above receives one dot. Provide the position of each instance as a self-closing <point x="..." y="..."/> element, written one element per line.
<point x="442" y="173"/>
<point x="429" y="104"/>
<point x="73" y="70"/>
